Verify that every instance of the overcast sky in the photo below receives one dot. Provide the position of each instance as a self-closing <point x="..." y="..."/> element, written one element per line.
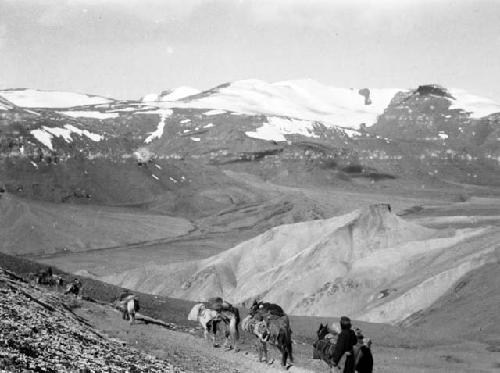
<point x="127" y="48"/>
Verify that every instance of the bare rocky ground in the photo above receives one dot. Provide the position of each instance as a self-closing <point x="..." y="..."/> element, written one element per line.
<point x="40" y="333"/>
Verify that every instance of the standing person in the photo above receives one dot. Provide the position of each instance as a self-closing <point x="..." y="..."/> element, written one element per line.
<point x="345" y="343"/>
<point x="364" y="360"/>
<point x="357" y="347"/>
<point x="261" y="331"/>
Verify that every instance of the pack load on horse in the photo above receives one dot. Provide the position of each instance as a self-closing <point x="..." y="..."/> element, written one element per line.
<point x="324" y="346"/>
<point x="211" y="313"/>
<point x="46" y="277"/>
<point x="277" y="324"/>
<point x="74" y="287"/>
<point x="128" y="304"/>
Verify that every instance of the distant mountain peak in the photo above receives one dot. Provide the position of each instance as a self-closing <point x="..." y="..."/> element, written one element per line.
<point x="433" y="89"/>
<point x="171" y="94"/>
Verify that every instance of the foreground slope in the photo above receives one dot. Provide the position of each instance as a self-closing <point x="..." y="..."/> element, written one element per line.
<point x="369" y="263"/>
<point x="415" y="349"/>
<point x="39" y="333"/>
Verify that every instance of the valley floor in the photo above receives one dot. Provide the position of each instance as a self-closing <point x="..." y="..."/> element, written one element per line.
<point x="189" y="351"/>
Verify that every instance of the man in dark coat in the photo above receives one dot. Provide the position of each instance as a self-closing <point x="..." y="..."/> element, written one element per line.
<point x="364" y="359"/>
<point x="345" y="343"/>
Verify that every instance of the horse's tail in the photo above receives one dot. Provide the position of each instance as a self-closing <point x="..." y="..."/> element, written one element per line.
<point x="237" y="321"/>
<point x="284" y="341"/>
<point x="130" y="306"/>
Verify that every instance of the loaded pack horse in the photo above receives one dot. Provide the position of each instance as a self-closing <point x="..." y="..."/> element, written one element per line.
<point x="324" y="346"/>
<point x="278" y="324"/>
<point x="129" y="305"/>
<point x="211" y="313"/>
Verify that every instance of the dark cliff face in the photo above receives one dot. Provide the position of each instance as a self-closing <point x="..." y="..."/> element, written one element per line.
<point x="422" y="114"/>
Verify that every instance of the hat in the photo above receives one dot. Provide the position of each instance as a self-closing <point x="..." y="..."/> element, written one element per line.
<point x="345" y="322"/>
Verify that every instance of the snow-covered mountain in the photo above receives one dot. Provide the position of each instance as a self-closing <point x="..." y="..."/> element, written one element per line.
<point x="32" y="98"/>
<point x="290" y="130"/>
<point x="300" y="99"/>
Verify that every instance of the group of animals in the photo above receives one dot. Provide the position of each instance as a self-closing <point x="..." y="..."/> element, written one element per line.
<point x="267" y="321"/>
<point x="270" y="325"/>
<point x="47" y="277"/>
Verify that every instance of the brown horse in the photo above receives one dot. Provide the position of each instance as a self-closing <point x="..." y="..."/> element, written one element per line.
<point x="279" y="327"/>
<point x="324" y="346"/>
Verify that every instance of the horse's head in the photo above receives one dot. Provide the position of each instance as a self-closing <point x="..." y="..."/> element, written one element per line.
<point x="254" y="308"/>
<point x="322" y="331"/>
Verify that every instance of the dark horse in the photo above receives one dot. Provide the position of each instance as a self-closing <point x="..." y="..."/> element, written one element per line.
<point x="323" y="348"/>
<point x="279" y="327"/>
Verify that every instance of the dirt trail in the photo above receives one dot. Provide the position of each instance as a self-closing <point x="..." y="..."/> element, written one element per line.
<point x="185" y="350"/>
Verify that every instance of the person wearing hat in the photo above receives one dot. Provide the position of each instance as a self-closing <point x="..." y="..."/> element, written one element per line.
<point x="345" y="343"/>
<point x="364" y="358"/>
<point x="356" y="348"/>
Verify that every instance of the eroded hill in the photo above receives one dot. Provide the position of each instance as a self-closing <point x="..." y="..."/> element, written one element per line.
<point x="369" y="263"/>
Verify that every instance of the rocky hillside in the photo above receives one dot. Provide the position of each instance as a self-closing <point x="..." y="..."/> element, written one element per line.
<point x="39" y="333"/>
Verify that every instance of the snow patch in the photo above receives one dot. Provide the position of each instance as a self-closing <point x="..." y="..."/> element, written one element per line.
<point x="90" y="114"/>
<point x="33" y="98"/>
<point x="45" y="134"/>
<point x="155" y="177"/>
<point x="195" y="139"/>
<point x="92" y="136"/>
<point x="277" y="127"/>
<point x="156" y="134"/>
<point x="214" y="112"/>
<point x="477" y="106"/>
<point x="443" y="135"/>
<point x="209" y="125"/>
<point x="351" y="133"/>
<point x="185" y="121"/>
<point x="44" y="137"/>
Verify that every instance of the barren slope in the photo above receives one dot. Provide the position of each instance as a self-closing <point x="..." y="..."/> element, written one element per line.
<point x="368" y="263"/>
<point x="30" y="227"/>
